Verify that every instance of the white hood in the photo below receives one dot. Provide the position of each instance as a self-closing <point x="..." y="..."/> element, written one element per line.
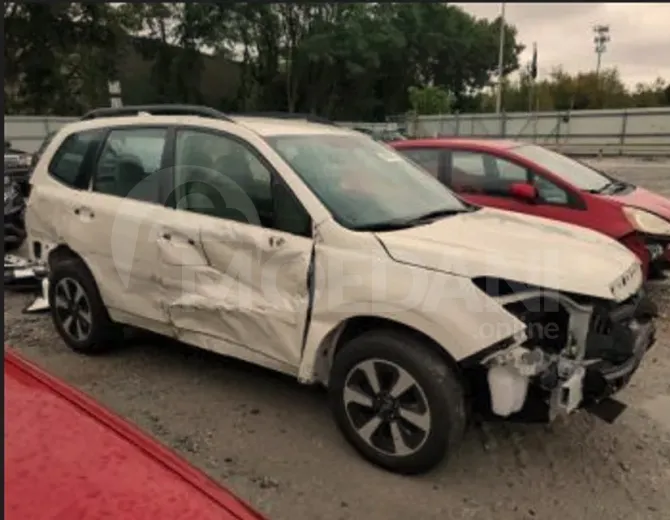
<point x="525" y="249"/>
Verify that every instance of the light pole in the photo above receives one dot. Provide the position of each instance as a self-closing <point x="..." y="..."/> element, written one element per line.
<point x="501" y="55"/>
<point x="601" y="38"/>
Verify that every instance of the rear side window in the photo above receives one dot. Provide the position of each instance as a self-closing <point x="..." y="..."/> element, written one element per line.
<point x="128" y="163"/>
<point x="68" y="164"/>
<point x="427" y="158"/>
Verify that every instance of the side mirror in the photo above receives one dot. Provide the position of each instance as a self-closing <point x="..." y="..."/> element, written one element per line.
<point x="523" y="191"/>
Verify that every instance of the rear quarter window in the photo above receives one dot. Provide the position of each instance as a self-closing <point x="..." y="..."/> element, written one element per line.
<point x="68" y="163"/>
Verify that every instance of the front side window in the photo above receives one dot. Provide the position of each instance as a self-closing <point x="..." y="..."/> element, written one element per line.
<point x="129" y="162"/>
<point x="363" y="183"/>
<point x="550" y="193"/>
<point x="68" y="163"/>
<point x="510" y="171"/>
<point x="480" y="172"/>
<point x="220" y="176"/>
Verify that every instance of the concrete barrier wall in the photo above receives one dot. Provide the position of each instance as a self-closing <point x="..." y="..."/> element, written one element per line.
<point x="27" y="132"/>
<point x="643" y="131"/>
<point x="610" y="132"/>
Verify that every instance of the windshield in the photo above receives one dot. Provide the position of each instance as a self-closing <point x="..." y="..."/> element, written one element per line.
<point x="578" y="174"/>
<point x="364" y="183"/>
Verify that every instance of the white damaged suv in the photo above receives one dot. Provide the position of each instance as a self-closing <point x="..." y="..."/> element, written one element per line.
<point x="313" y="250"/>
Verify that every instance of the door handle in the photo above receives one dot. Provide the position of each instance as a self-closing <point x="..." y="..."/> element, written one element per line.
<point x="166" y="236"/>
<point x="276" y="241"/>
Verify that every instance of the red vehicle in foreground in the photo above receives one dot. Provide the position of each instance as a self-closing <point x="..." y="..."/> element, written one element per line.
<point x="68" y="458"/>
<point x="531" y="179"/>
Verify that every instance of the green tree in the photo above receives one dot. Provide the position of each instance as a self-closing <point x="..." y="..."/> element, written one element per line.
<point x="346" y="61"/>
<point x="65" y="69"/>
<point x="429" y="100"/>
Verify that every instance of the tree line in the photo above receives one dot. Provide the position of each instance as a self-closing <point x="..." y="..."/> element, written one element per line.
<point x="343" y="61"/>
<point x="582" y="91"/>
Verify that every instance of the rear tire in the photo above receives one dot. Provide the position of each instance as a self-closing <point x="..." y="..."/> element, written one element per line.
<point x="77" y="310"/>
<point x="414" y="414"/>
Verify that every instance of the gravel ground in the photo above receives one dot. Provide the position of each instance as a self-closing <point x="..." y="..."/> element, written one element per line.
<point x="273" y="442"/>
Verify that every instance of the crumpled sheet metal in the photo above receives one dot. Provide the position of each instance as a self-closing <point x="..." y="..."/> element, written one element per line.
<point x="244" y="292"/>
<point x="446" y="308"/>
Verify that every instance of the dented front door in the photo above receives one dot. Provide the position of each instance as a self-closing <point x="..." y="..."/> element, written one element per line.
<point x="229" y="284"/>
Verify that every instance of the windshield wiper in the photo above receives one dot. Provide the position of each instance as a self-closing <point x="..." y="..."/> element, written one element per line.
<point x="435" y="215"/>
<point x="388" y="225"/>
<point x="610" y="188"/>
<point x="426" y="218"/>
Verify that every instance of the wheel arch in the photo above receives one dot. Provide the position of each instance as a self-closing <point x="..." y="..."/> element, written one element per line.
<point x="63" y="252"/>
<point x="354" y="326"/>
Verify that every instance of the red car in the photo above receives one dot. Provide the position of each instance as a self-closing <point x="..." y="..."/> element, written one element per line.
<point x="68" y="458"/>
<point x="535" y="180"/>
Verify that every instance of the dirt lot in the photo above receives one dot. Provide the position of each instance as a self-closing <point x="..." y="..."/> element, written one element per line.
<point x="273" y="442"/>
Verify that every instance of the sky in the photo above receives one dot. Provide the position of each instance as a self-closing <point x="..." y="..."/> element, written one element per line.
<point x="639" y="33"/>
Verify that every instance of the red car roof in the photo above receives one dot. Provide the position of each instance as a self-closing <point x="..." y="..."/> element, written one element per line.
<point x="68" y="458"/>
<point x="479" y="144"/>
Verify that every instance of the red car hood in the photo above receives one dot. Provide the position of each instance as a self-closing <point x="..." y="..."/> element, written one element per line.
<point x="645" y="199"/>
<point x="68" y="458"/>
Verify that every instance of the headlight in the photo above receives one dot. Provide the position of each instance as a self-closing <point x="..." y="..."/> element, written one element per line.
<point x="646" y="222"/>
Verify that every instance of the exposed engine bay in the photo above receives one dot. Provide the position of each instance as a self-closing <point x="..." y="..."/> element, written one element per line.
<point x="577" y="350"/>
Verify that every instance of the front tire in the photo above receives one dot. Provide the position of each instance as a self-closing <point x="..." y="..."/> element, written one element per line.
<point x="77" y="310"/>
<point x="396" y="401"/>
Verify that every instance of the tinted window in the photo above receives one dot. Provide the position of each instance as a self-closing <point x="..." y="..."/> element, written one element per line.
<point x="67" y="164"/>
<point x="428" y="159"/>
<point x="219" y="176"/>
<point x="128" y="161"/>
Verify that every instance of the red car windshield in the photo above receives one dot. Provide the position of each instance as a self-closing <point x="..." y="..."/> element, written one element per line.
<point x="574" y="172"/>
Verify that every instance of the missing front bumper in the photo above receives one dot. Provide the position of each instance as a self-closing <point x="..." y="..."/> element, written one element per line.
<point x="590" y="384"/>
<point x="605" y="379"/>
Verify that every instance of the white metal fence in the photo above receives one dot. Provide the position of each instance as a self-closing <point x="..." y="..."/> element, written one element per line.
<point x="27" y="132"/>
<point x="644" y="131"/>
